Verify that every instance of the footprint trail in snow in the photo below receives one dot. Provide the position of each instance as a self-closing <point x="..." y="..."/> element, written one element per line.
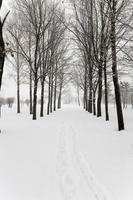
<point x="76" y="180"/>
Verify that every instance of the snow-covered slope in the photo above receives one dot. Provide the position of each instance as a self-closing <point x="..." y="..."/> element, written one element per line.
<point x="69" y="155"/>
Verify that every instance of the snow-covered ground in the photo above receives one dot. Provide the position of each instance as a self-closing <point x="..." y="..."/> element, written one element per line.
<point x="69" y="155"/>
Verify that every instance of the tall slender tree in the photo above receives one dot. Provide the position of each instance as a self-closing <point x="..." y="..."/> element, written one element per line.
<point x="113" y="13"/>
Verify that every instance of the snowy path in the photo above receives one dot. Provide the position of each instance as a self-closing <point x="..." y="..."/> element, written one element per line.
<point x="76" y="179"/>
<point x="63" y="156"/>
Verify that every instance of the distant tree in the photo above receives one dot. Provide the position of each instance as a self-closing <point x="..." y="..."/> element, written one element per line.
<point x="27" y="102"/>
<point x="2" y="102"/>
<point x="125" y="87"/>
<point x="132" y="100"/>
<point x="10" y="101"/>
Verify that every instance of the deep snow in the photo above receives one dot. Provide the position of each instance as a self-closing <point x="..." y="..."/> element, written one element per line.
<point x="69" y="155"/>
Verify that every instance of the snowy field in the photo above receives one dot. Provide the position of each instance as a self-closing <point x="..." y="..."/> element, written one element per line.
<point x="69" y="155"/>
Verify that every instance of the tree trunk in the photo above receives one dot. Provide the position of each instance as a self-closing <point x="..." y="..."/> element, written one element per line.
<point x="114" y="68"/>
<point x="106" y="90"/>
<point x="59" y="101"/>
<point x="31" y="75"/>
<point x="49" y="92"/>
<point x="18" y="81"/>
<point x="18" y="97"/>
<point x="35" y="99"/>
<point x="2" y="52"/>
<point x="44" y="64"/>
<point x="59" y="97"/>
<point x="94" y="103"/>
<point x="90" y="100"/>
<point x="30" y="92"/>
<point x="90" y="86"/>
<point x="85" y="89"/>
<point x="90" y="59"/>
<point x="55" y="89"/>
<point x="99" y="99"/>
<point x="100" y="71"/>
<point x="42" y="99"/>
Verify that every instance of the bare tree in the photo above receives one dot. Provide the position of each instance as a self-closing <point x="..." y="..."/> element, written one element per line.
<point x="2" y="45"/>
<point x="113" y="16"/>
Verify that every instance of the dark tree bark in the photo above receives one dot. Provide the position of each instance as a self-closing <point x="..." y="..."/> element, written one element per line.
<point x="18" y="81"/>
<point x="90" y="86"/>
<point x="94" y="103"/>
<point x="42" y="99"/>
<point x="2" y="52"/>
<point x="106" y="90"/>
<point x="59" y="101"/>
<point x="60" y="95"/>
<point x="90" y="59"/>
<point x="49" y="92"/>
<point x="99" y="99"/>
<point x="55" y="88"/>
<point x="114" y="67"/>
<point x="31" y="74"/>
<point x="35" y="99"/>
<point x="35" y="72"/>
<point x="2" y="46"/>
<point x="100" y="70"/>
<point x="85" y="88"/>
<point x="30" y="93"/>
<point x="44" y="64"/>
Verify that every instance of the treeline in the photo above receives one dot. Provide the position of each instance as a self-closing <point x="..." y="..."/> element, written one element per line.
<point x="101" y="31"/>
<point x="41" y="49"/>
<point x="7" y="101"/>
<point x="37" y="40"/>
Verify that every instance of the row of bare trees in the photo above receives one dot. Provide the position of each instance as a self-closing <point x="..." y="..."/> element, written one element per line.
<point x="100" y="29"/>
<point x="37" y="39"/>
